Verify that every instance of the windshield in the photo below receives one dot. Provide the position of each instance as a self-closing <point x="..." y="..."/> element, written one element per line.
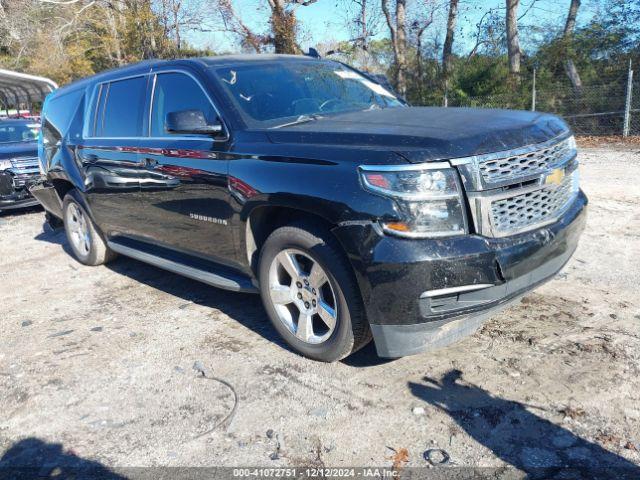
<point x="271" y="95"/>
<point x="19" y="132"/>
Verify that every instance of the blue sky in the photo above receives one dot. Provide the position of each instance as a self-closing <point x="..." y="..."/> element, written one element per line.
<point x="325" y="20"/>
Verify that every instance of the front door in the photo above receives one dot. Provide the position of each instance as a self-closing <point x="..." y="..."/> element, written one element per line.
<point x="184" y="192"/>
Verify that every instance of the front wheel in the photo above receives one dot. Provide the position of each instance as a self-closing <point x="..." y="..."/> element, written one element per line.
<point x="310" y="293"/>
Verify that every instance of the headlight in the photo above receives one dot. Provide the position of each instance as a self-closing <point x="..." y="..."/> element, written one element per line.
<point x="428" y="198"/>
<point x="571" y="142"/>
<point x="4" y="164"/>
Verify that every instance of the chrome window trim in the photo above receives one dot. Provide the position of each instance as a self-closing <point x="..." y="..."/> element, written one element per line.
<point x="155" y="73"/>
<point x="95" y="103"/>
<point x="97" y="106"/>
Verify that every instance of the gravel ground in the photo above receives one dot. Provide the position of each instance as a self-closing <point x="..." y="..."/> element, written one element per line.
<point x="96" y="363"/>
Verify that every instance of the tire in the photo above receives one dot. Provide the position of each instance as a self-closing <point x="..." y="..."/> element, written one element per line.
<point x="88" y="248"/>
<point x="309" y="244"/>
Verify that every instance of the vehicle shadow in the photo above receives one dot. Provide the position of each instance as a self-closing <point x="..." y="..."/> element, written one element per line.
<point x="245" y="308"/>
<point x="242" y="307"/>
<point x="520" y="438"/>
<point x="35" y="458"/>
<point x="366" y="357"/>
<point x="15" y="212"/>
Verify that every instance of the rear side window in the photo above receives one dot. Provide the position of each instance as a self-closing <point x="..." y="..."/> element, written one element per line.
<point x="121" y="108"/>
<point x="175" y="92"/>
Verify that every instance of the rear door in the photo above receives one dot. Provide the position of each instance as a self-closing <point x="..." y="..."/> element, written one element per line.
<point x="184" y="193"/>
<point x="109" y="154"/>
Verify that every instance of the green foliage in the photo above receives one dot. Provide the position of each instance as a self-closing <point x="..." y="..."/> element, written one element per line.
<point x="57" y="42"/>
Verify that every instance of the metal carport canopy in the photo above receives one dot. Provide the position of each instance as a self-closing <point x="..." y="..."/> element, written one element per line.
<point x="17" y="89"/>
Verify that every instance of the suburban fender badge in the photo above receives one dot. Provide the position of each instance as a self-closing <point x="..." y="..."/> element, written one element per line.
<point x="204" y="218"/>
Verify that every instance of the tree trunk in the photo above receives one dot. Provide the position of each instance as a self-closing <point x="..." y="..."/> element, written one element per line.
<point x="176" y="24"/>
<point x="569" y="27"/>
<point x="447" y="49"/>
<point x="401" y="39"/>
<point x="115" y="34"/>
<point x="398" y="35"/>
<point x="283" y="27"/>
<point x="513" y="42"/>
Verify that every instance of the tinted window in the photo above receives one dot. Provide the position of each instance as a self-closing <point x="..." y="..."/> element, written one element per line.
<point x="122" y="113"/>
<point x="175" y="92"/>
<point x="271" y="94"/>
<point x="11" y="133"/>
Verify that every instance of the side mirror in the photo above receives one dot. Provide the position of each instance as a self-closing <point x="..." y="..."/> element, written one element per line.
<point x="191" y="122"/>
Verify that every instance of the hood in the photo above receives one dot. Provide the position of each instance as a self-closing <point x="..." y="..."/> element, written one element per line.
<point x="18" y="149"/>
<point x="427" y="133"/>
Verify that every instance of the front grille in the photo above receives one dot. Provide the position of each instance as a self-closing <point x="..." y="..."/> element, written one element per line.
<point x="24" y="162"/>
<point x="23" y="169"/>
<point x="532" y="209"/>
<point x="513" y="191"/>
<point x="521" y="165"/>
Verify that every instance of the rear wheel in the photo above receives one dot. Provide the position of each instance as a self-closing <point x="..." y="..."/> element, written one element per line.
<point x="310" y="293"/>
<point x="83" y="237"/>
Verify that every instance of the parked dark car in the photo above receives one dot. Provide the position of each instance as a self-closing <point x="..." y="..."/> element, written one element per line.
<point x="18" y="162"/>
<point x="351" y="213"/>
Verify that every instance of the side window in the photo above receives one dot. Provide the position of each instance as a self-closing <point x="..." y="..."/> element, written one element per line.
<point x="123" y="108"/>
<point x="175" y="92"/>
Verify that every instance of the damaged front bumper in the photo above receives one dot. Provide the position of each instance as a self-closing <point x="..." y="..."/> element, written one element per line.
<point x="12" y="197"/>
<point x="424" y="294"/>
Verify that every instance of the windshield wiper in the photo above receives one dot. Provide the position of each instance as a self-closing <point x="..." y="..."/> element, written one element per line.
<point x="299" y="120"/>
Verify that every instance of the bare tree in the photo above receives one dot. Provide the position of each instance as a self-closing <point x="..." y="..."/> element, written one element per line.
<point x="284" y="24"/>
<point x="398" y="32"/>
<point x="447" y="49"/>
<point x="419" y="28"/>
<point x="362" y="21"/>
<point x="569" y="27"/>
<point x="513" y="42"/>
<point x="233" y="23"/>
<point x="283" y="27"/>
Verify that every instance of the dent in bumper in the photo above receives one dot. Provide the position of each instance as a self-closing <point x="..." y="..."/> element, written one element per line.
<point x="393" y="274"/>
<point x="402" y="340"/>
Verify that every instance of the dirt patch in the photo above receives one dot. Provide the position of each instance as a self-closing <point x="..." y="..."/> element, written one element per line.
<point x="99" y="362"/>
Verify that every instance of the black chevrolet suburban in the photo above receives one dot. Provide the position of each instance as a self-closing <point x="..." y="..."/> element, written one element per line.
<point x="353" y="215"/>
<point x="18" y="162"/>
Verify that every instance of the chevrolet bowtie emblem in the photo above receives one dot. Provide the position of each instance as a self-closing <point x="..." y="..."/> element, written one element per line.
<point x="555" y="177"/>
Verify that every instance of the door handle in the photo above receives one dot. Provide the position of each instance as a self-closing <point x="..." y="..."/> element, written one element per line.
<point x="149" y="162"/>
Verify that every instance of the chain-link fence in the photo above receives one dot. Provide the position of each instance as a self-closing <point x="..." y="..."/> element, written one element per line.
<point x="611" y="108"/>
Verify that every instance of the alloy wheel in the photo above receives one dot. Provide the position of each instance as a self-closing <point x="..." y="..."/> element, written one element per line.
<point x="302" y="296"/>
<point x="78" y="229"/>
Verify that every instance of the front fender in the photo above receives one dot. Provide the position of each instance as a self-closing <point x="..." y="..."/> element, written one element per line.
<point x="330" y="190"/>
